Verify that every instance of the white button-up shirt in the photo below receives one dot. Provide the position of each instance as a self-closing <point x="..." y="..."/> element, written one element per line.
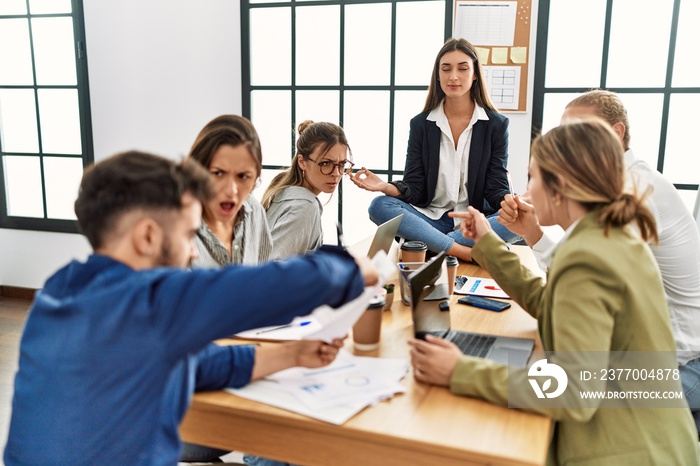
<point x="451" y="188"/>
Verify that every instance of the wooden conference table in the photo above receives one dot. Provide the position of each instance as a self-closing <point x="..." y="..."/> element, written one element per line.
<point x="427" y="425"/>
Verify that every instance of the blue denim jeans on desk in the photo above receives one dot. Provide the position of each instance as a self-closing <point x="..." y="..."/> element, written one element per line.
<point x="690" y="378"/>
<point x="438" y="234"/>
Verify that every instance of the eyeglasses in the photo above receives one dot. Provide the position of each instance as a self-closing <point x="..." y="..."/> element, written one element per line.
<point x="327" y="167"/>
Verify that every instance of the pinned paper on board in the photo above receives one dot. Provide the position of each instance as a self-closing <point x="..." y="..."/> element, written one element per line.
<point x="503" y="83"/>
<point x="499" y="30"/>
<point x="483" y="54"/>
<point x="518" y="55"/>
<point x="486" y="23"/>
<point x="499" y="55"/>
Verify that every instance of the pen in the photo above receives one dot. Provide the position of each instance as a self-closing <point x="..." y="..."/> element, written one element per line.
<point x="491" y="287"/>
<point x="510" y="183"/>
<point x="300" y="324"/>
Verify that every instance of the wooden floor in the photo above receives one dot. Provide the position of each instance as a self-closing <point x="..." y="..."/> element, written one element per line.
<point x="13" y="312"/>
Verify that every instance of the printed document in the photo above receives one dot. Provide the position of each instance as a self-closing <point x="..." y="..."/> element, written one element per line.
<point x="333" y="393"/>
<point x="477" y="286"/>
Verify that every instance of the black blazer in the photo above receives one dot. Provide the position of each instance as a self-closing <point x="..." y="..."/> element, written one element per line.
<point x="487" y="182"/>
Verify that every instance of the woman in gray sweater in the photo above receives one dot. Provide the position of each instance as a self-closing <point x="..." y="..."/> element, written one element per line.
<point x="293" y="209"/>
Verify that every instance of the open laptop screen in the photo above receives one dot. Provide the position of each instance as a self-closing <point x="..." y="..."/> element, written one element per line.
<point x="384" y="236"/>
<point x="429" y="318"/>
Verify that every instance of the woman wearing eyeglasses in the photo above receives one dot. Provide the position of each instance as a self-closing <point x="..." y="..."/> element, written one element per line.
<point x="293" y="209"/>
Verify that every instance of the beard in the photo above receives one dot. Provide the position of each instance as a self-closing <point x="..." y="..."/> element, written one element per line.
<point x="166" y="258"/>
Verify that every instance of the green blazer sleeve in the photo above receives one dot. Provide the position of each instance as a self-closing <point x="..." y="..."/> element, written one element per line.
<point x="523" y="286"/>
<point x="603" y="298"/>
<point x="585" y="327"/>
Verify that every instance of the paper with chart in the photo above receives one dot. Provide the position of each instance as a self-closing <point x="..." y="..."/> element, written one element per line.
<point x="326" y="323"/>
<point x="503" y="83"/>
<point x="477" y="286"/>
<point x="486" y="23"/>
<point x="333" y="393"/>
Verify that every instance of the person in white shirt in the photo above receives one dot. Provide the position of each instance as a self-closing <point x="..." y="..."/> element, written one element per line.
<point x="677" y="252"/>
<point x="457" y="156"/>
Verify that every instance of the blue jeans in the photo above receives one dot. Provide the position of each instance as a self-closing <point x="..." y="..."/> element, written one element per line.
<point x="690" y="378"/>
<point x="438" y="234"/>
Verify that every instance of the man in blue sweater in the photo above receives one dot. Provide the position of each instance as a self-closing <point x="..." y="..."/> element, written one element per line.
<point x="114" y="347"/>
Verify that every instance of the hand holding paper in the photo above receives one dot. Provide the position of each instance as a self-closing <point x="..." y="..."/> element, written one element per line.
<point x="324" y="322"/>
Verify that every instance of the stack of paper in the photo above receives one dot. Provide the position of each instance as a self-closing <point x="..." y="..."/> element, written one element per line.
<point x="333" y="393"/>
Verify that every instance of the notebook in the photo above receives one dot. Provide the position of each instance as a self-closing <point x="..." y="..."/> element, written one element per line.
<point x="428" y="318"/>
<point x="384" y="236"/>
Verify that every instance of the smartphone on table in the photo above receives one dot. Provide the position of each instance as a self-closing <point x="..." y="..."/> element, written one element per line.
<point x="484" y="303"/>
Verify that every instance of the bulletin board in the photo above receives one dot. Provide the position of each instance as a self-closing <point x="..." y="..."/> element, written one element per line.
<point x="500" y="32"/>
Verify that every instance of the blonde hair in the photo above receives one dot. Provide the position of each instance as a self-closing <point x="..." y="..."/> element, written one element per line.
<point x="311" y="135"/>
<point x="608" y="106"/>
<point x="584" y="161"/>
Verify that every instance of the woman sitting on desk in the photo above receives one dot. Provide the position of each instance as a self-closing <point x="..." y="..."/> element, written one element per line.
<point x="603" y="297"/>
<point x="457" y="156"/>
<point x="293" y="209"/>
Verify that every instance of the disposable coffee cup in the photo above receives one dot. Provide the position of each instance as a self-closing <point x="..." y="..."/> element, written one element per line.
<point x="452" y="263"/>
<point x="367" y="329"/>
<point x="406" y="269"/>
<point x="413" y="251"/>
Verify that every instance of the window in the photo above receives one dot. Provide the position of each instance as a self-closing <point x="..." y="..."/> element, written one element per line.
<point x="45" y="132"/>
<point x="364" y="65"/>
<point x="649" y="61"/>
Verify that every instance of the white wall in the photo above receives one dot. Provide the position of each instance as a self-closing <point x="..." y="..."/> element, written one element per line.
<point x="159" y="70"/>
<point x="521" y="123"/>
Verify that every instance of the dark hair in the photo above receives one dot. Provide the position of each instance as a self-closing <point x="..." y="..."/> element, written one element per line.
<point x="311" y="136"/>
<point x="232" y="130"/>
<point x="134" y="180"/>
<point x="478" y="91"/>
<point x="588" y="157"/>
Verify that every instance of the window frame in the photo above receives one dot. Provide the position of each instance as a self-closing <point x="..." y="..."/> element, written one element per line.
<point x="87" y="156"/>
<point x="540" y="90"/>
<point x="247" y="88"/>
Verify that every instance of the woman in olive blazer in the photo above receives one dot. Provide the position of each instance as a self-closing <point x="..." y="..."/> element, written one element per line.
<point x="603" y="298"/>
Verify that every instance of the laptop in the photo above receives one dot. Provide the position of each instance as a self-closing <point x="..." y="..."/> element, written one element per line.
<point x="384" y="236"/>
<point x="427" y="282"/>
